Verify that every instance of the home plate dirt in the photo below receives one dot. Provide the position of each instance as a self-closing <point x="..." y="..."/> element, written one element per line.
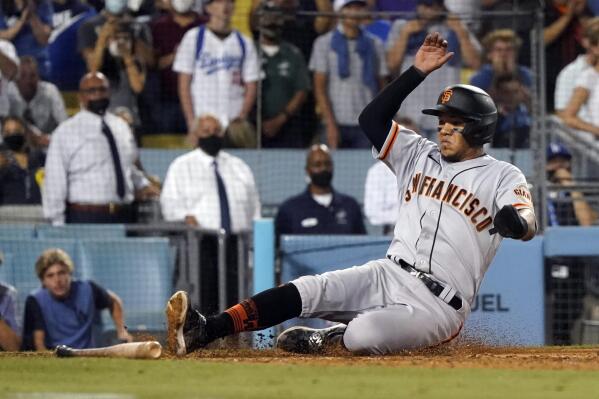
<point x="448" y="356"/>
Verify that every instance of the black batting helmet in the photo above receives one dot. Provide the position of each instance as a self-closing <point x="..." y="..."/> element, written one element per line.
<point x="474" y="105"/>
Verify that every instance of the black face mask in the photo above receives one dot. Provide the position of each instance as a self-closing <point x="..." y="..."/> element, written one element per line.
<point x="211" y="145"/>
<point x="98" y="106"/>
<point x="15" y="141"/>
<point x="272" y="32"/>
<point x="322" y="179"/>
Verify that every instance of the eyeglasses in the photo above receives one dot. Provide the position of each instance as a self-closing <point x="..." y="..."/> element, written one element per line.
<point x="94" y="90"/>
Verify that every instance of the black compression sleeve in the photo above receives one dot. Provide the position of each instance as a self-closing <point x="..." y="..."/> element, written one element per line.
<point x="267" y="308"/>
<point x="376" y="117"/>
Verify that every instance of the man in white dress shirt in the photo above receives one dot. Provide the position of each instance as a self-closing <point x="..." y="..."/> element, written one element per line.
<point x="211" y="189"/>
<point x="90" y="172"/>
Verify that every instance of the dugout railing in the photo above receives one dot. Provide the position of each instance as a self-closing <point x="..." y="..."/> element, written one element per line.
<point x="186" y="240"/>
<point x="143" y="263"/>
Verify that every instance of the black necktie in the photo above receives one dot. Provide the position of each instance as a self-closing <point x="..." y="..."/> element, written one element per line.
<point x="116" y="160"/>
<point x="225" y="217"/>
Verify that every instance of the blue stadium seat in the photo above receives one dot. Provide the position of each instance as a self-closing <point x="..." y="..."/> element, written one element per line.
<point x="139" y="271"/>
<point x="19" y="264"/>
<point x="17" y="230"/>
<point x="82" y="231"/>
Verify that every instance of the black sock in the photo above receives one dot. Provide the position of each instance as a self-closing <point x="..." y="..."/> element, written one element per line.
<point x="263" y="310"/>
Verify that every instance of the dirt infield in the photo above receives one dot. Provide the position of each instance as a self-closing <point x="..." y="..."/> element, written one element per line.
<point x="451" y="356"/>
<point x="458" y="355"/>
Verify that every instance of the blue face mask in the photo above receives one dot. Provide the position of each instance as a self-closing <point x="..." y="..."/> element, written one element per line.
<point x="115" y="7"/>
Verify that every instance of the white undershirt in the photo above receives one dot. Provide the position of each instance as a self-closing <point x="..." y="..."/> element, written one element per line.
<point x="323" y="199"/>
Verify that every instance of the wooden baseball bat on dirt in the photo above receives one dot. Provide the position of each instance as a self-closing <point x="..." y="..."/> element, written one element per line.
<point x="131" y="350"/>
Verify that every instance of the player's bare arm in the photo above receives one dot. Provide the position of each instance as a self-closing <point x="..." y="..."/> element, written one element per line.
<point x="531" y="221"/>
<point x="377" y="116"/>
<point x="519" y="224"/>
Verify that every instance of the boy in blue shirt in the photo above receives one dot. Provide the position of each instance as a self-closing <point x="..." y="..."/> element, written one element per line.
<point x="63" y="311"/>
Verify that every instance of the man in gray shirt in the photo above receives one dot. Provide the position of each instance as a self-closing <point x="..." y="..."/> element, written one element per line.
<point x="349" y="69"/>
<point x="37" y="102"/>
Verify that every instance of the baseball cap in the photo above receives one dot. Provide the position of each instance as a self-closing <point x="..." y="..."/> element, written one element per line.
<point x="558" y="150"/>
<point x="339" y="4"/>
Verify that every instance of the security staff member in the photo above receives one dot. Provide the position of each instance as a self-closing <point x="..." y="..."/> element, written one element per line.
<point x="91" y="176"/>
<point x="320" y="209"/>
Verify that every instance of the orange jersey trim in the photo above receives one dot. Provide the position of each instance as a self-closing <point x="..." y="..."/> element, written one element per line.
<point x="521" y="205"/>
<point x="393" y="133"/>
<point x="454" y="335"/>
<point x="448" y="339"/>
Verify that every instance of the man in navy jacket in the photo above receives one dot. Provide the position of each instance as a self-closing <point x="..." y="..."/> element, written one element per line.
<point x="320" y="209"/>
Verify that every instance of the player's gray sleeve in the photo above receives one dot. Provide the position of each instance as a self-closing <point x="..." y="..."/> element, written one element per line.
<point x="512" y="189"/>
<point x="402" y="148"/>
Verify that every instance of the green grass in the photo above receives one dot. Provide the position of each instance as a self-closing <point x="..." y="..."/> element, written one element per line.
<point x="181" y="379"/>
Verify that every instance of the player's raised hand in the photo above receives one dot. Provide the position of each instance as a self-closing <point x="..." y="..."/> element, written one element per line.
<point x="432" y="54"/>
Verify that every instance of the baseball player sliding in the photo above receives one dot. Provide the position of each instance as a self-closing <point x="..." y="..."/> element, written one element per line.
<point x="456" y="203"/>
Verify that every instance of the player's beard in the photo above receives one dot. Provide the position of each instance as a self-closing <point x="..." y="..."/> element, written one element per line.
<point x="451" y="158"/>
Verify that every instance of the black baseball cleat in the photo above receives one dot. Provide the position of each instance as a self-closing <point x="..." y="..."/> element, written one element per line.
<point x="310" y="340"/>
<point x="186" y="326"/>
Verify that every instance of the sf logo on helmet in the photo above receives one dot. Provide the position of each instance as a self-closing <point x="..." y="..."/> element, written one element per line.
<point x="446" y="96"/>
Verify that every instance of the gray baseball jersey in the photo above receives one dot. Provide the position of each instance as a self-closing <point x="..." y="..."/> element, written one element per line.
<point x="446" y="210"/>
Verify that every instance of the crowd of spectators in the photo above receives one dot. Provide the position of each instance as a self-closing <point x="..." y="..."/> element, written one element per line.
<point x="166" y="63"/>
<point x="170" y="61"/>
